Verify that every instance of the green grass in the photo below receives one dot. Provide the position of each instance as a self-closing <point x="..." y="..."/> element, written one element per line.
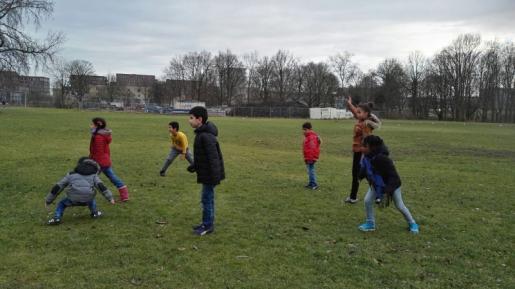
<point x="458" y="182"/>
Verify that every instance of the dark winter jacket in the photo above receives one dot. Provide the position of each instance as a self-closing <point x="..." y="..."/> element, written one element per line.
<point x="81" y="183"/>
<point x="99" y="147"/>
<point x="207" y="156"/>
<point x="384" y="167"/>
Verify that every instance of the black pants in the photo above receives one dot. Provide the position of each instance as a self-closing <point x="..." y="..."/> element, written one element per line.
<point x="355" y="171"/>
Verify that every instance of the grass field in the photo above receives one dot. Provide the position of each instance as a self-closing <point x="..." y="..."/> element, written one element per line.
<point x="458" y="182"/>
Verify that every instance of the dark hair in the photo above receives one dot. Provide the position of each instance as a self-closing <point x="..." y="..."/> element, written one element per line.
<point x="373" y="141"/>
<point x="199" y="111"/>
<point x="99" y="122"/>
<point x="307" y="125"/>
<point x="366" y="107"/>
<point x="174" y="124"/>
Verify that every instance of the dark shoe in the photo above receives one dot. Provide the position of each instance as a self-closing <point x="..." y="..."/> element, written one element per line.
<point x="315" y="187"/>
<point x="54" y="221"/>
<point x="98" y="214"/>
<point x="196" y="227"/>
<point x="204" y="230"/>
<point x="162" y="173"/>
<point x="351" y="201"/>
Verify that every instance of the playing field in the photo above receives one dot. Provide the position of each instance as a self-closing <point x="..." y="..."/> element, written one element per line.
<point x="458" y="182"/>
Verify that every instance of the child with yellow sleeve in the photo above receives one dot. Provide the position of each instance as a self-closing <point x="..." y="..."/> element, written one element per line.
<point x="179" y="146"/>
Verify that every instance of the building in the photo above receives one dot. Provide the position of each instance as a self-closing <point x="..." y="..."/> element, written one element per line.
<point x="96" y="85"/>
<point x="20" y="89"/>
<point x="136" y="86"/>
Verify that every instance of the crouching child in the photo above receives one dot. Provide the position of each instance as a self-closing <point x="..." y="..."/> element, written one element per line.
<point x="385" y="183"/>
<point x="81" y="184"/>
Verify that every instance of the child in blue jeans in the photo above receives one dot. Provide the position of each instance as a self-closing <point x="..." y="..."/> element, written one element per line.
<point x="381" y="174"/>
<point x="81" y="183"/>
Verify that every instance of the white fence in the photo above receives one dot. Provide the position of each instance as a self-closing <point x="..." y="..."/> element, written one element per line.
<point x="329" y="113"/>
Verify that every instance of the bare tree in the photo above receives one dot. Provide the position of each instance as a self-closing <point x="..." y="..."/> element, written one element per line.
<point x="393" y="84"/>
<point x="251" y="62"/>
<point x="18" y="50"/>
<point x="320" y="85"/>
<point x="283" y="64"/>
<point x="198" y="69"/>
<point x="264" y="73"/>
<point x="507" y="76"/>
<point x="344" y="68"/>
<point x="459" y="62"/>
<point x="79" y="70"/>
<point x="415" y="71"/>
<point x="61" y="75"/>
<point x="231" y="76"/>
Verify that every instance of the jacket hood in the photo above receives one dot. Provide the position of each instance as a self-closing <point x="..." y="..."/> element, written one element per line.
<point x="102" y="131"/>
<point x="208" y="127"/>
<point x="308" y="133"/>
<point x="87" y="167"/>
<point x="381" y="150"/>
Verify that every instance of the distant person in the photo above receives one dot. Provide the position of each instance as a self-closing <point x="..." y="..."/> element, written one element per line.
<point x="311" y="150"/>
<point x="366" y="123"/>
<point x="179" y="146"/>
<point x="208" y="163"/>
<point x="100" y="152"/>
<point x="81" y="184"/>
<point x="382" y="174"/>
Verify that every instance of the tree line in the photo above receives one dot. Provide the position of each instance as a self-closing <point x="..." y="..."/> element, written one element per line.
<point x="467" y="80"/>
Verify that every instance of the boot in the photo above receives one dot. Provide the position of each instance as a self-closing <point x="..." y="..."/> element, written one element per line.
<point x="124" y="194"/>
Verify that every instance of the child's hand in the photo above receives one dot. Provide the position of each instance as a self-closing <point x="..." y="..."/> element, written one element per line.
<point x="112" y="202"/>
<point x="349" y="100"/>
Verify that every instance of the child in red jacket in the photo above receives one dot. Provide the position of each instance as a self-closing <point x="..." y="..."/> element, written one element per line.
<point x="99" y="151"/>
<point x="311" y="150"/>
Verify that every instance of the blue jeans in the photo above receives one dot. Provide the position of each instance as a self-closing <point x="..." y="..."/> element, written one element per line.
<point x="117" y="182"/>
<point x="65" y="203"/>
<point x="208" y="205"/>
<point x="397" y="199"/>
<point x="311" y="174"/>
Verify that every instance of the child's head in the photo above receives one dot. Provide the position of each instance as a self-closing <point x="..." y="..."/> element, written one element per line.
<point x="98" y="123"/>
<point x="198" y="116"/>
<point x="371" y="143"/>
<point x="364" y="110"/>
<point x="173" y="127"/>
<point x="306" y="127"/>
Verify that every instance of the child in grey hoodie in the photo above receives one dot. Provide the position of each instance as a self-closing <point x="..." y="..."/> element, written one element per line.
<point x="81" y="183"/>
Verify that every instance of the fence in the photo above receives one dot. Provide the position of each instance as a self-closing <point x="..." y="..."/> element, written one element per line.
<point x="269" y="111"/>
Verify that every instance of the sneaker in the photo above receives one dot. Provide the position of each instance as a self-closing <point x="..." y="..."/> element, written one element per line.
<point x="367" y="227"/>
<point x="204" y="230"/>
<point x="161" y="173"/>
<point x="308" y="186"/>
<point x="413" y="228"/>
<point x="315" y="187"/>
<point x="54" y="221"/>
<point x="351" y="201"/>
<point x="98" y="214"/>
<point x="196" y="227"/>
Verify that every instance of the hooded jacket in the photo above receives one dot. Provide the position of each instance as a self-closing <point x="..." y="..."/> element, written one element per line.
<point x="81" y="183"/>
<point x="311" y="146"/>
<point x="383" y="166"/>
<point x="99" y="147"/>
<point x="207" y="156"/>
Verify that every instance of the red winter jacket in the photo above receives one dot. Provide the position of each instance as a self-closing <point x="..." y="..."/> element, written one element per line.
<point x="311" y="146"/>
<point x="99" y="148"/>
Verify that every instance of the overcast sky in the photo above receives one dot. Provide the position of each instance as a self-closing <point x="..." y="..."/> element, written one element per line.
<point x="128" y="36"/>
